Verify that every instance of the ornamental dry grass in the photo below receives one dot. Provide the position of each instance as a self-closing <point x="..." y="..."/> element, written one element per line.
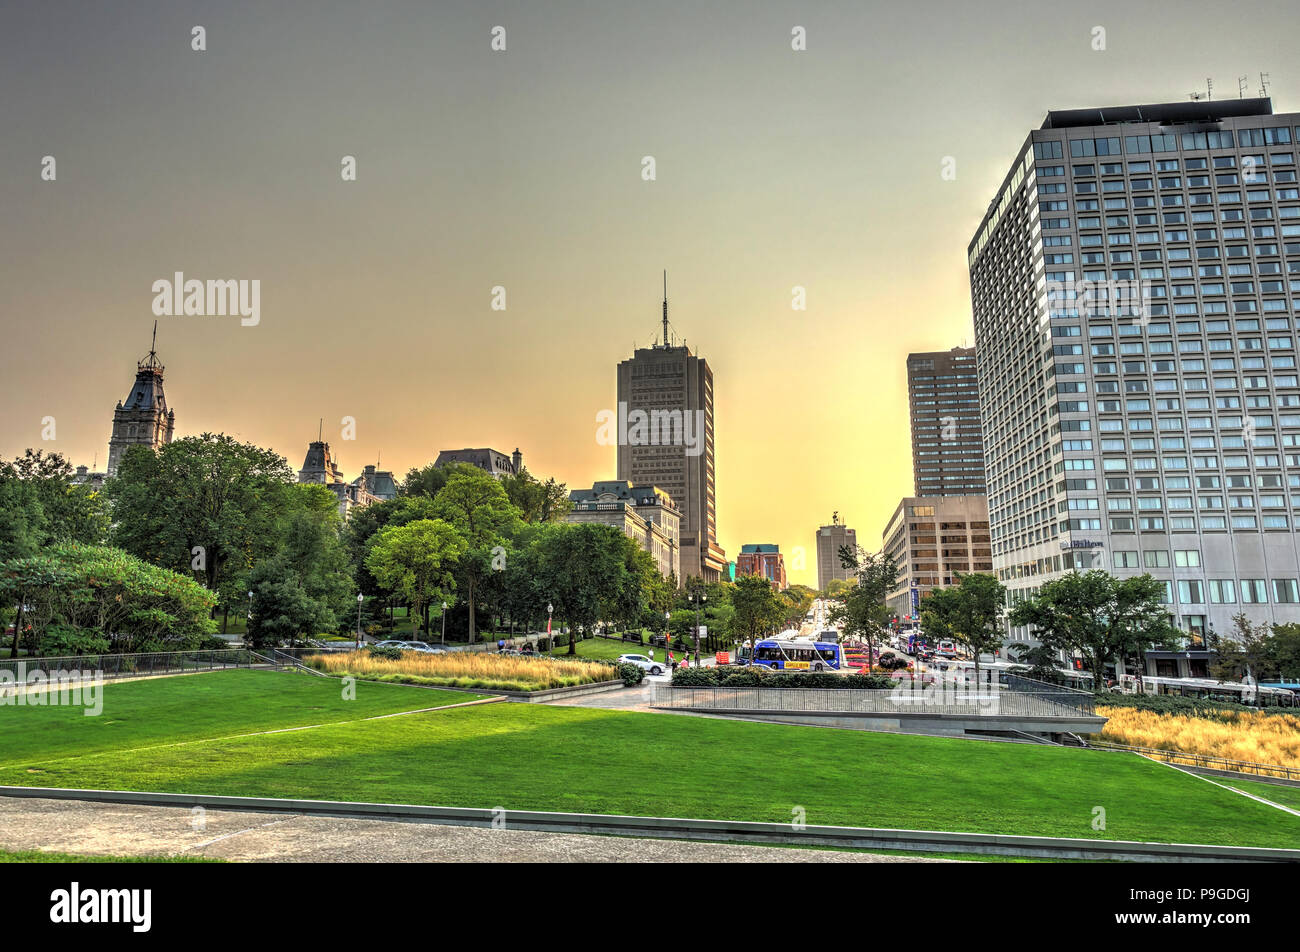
<point x="1233" y="735"/>
<point x="464" y="669"/>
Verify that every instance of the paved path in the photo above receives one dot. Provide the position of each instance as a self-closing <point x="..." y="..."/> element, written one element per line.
<point x="101" y="829"/>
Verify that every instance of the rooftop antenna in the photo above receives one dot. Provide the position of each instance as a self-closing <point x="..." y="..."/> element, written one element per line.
<point x="152" y="360"/>
<point x="320" y="431"/>
<point x="1242" y="83"/>
<point x="665" y="307"/>
<point x="1263" y="85"/>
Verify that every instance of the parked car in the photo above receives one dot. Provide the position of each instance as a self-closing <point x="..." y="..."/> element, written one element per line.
<point x="421" y="646"/>
<point x="649" y="665"/>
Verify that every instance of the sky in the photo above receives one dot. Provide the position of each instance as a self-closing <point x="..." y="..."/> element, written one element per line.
<point x="523" y="169"/>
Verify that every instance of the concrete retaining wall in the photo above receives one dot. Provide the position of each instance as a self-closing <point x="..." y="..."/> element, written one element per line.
<point x="717" y="830"/>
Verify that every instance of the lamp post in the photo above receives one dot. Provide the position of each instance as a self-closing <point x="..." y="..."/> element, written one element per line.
<point x="702" y="598"/>
<point x="444" y="624"/>
<point x="360" y="598"/>
<point x="668" y="633"/>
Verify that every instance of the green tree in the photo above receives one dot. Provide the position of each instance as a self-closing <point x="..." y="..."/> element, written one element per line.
<point x="755" y="609"/>
<point x="477" y="506"/>
<point x="536" y="501"/>
<point x="968" y="613"/>
<point x="206" y="504"/>
<point x="1248" y="650"/>
<point x="862" y="611"/>
<point x="583" y="571"/>
<point x="1099" y="617"/>
<point x="97" y="593"/>
<point x="40" y="506"/>
<point x="416" y="560"/>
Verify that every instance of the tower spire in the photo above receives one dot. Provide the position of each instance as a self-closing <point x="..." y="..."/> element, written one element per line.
<point x="665" y="307"/>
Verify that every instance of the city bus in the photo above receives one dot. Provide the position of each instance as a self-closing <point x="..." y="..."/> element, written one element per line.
<point x="782" y="654"/>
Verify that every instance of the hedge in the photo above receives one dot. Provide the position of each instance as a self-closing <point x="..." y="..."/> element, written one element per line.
<point x="725" y="676"/>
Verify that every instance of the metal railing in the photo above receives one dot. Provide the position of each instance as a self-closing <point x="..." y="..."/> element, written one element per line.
<point x="907" y="698"/>
<point x="1081" y="702"/>
<point x="137" y="664"/>
<point x="1204" y="760"/>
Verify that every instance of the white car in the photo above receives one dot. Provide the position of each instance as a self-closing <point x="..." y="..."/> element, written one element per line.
<point x="649" y="665"/>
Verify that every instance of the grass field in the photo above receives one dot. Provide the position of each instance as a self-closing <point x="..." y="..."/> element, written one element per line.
<point x="197" y="707"/>
<point x="523" y="756"/>
<point x="1278" y="793"/>
<point x="603" y="649"/>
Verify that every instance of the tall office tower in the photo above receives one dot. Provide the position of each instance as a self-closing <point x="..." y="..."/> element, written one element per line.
<point x="944" y="400"/>
<point x="665" y="413"/>
<point x="829" y="540"/>
<point x="1158" y="437"/>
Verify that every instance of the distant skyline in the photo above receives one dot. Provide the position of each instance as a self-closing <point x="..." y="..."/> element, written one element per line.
<point x="523" y="169"/>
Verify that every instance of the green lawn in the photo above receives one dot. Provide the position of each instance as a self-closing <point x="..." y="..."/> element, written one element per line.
<point x="604" y="650"/>
<point x="1278" y="793"/>
<point x="197" y="706"/>
<point x="524" y="756"/>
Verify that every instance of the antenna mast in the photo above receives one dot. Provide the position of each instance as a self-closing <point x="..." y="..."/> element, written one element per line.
<point x="665" y="307"/>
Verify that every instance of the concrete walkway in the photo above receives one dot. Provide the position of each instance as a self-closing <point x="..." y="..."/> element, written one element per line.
<point x="105" y="829"/>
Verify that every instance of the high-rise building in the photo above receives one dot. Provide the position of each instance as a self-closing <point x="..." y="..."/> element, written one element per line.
<point x="665" y="439"/>
<point x="933" y="540"/>
<point x="944" y="407"/>
<point x="143" y="419"/>
<point x="763" y="559"/>
<point x="1135" y="285"/>
<point x="829" y="541"/>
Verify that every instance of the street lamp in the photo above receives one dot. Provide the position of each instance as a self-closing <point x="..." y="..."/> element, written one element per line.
<point x="702" y="598"/>
<point x="444" y="624"/>
<point x="360" y="598"/>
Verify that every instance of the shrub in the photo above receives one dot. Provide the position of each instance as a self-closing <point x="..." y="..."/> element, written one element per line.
<point x="391" y="652"/>
<point x="759" y="676"/>
<point x="631" y="674"/>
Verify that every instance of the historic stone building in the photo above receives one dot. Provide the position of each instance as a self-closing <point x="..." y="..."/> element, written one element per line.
<point x="143" y="419"/>
<point x="646" y="514"/>
<point x="371" y="486"/>
<point x="487" y="459"/>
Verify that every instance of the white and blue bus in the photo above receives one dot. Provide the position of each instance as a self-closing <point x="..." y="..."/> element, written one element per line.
<point x="782" y="654"/>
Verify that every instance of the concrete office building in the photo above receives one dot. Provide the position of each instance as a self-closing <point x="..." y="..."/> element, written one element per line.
<point x="1135" y="286"/>
<point x="829" y="541"/>
<point x="932" y="539"/>
<point x="944" y="408"/>
<point x="665" y="438"/>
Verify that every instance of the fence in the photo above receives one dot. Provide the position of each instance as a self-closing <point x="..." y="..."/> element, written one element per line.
<point x="1078" y="701"/>
<point x="136" y="665"/>
<point x="1204" y="760"/>
<point x="907" y="698"/>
